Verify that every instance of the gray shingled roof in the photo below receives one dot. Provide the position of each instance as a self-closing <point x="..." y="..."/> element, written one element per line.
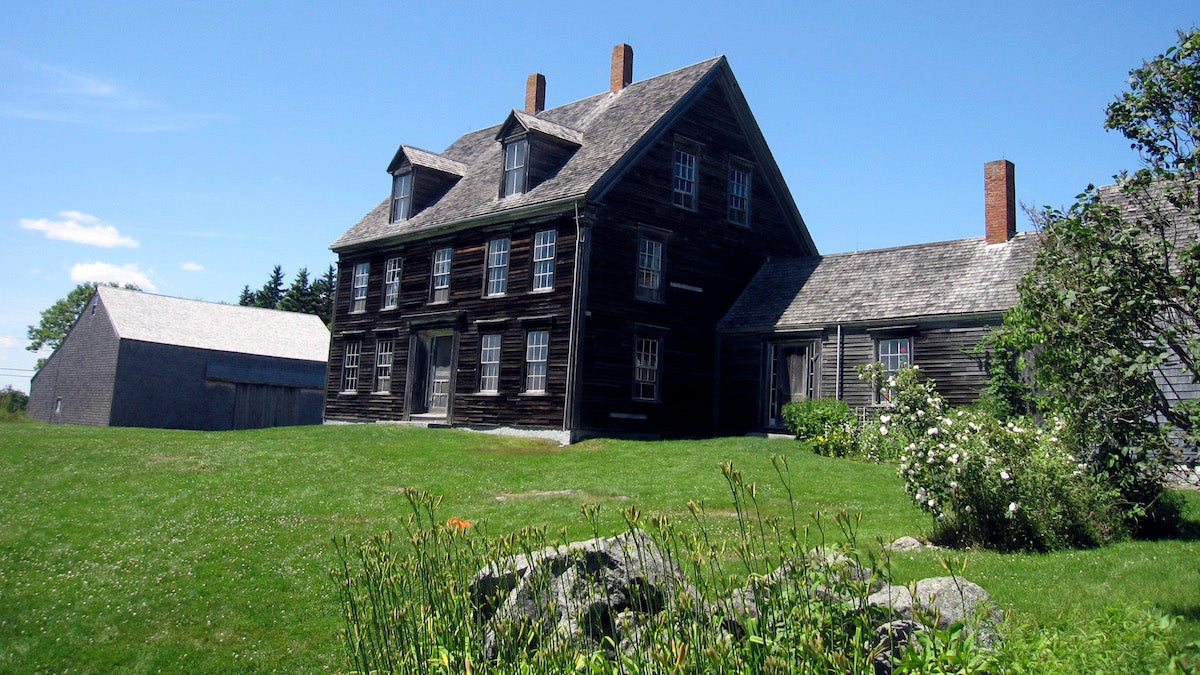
<point x="418" y="157"/>
<point x="609" y="126"/>
<point x="961" y="277"/>
<point x="208" y="325"/>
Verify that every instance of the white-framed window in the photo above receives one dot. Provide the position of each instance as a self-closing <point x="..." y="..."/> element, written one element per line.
<point x="537" y="351"/>
<point x="683" y="184"/>
<point x="645" y="369"/>
<point x="894" y="354"/>
<point x="649" y="270"/>
<point x="489" y="364"/>
<point x="496" y="282"/>
<point x="402" y="185"/>
<point x="350" y="366"/>
<point x="516" y="159"/>
<point x="383" y="366"/>
<point x="544" y="243"/>
<point x="740" y="176"/>
<point x="391" y="283"/>
<point x="440" y="281"/>
<point x="358" y="287"/>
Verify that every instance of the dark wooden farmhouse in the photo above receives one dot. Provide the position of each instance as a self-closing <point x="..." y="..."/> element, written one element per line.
<point x="565" y="269"/>
<point x="804" y="325"/>
<point x="144" y="360"/>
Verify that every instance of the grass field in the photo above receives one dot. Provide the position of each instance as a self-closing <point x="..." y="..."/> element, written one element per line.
<point x="139" y="550"/>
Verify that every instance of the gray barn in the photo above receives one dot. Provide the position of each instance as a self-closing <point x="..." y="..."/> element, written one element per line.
<point x="144" y="360"/>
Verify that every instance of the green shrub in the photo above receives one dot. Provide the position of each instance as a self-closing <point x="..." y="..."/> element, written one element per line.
<point x="826" y="424"/>
<point x="13" y="404"/>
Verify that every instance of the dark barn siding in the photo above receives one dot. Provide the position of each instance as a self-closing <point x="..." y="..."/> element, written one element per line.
<point x="81" y="373"/>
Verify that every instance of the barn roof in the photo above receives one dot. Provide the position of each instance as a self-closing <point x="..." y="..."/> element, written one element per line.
<point x="608" y="132"/>
<point x="161" y="319"/>
<point x="960" y="277"/>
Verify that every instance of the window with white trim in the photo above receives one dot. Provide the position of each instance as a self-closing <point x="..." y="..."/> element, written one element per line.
<point x="537" y="351"/>
<point x="683" y="183"/>
<point x="440" y="281"/>
<point x="391" y="283"/>
<point x="740" y="176"/>
<point x="358" y="287"/>
<point x="350" y="366"/>
<point x="894" y="354"/>
<point x="489" y="364"/>
<point x="649" y="270"/>
<point x="645" y="369"/>
<point x="516" y="159"/>
<point x="383" y="366"/>
<point x="544" y="243"/>
<point x="402" y="185"/>
<point x="496" y="282"/>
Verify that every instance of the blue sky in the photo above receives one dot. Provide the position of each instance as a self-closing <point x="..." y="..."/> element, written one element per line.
<point x="189" y="147"/>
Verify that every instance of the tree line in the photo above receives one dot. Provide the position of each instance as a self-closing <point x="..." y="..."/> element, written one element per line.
<point x="303" y="295"/>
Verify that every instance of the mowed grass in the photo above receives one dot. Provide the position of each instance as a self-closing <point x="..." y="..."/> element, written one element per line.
<point x="139" y="550"/>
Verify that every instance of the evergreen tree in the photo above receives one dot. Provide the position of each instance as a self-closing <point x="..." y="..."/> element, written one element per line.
<point x="324" y="289"/>
<point x="272" y="292"/>
<point x="299" y="297"/>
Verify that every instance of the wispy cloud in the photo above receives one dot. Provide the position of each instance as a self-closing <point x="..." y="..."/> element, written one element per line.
<point x="8" y="342"/>
<point x="102" y="272"/>
<point x="80" y="228"/>
<point x="190" y="266"/>
<point x="44" y="92"/>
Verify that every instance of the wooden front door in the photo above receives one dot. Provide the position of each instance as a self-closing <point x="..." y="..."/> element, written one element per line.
<point x="437" y="388"/>
<point x="792" y="377"/>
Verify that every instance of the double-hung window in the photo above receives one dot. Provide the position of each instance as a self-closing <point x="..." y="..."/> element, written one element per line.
<point x="683" y="184"/>
<point x="543" y="259"/>
<point x="440" y="281"/>
<point x="497" y="267"/>
<point x="739" y="193"/>
<point x="894" y="354"/>
<point x="489" y="364"/>
<point x="350" y="366"/>
<point x="645" y="369"/>
<point x="402" y="185"/>
<point x="358" y="287"/>
<point x="516" y="160"/>
<point x="391" y="283"/>
<point x="383" y="366"/>
<point x="650" y="270"/>
<point x="537" y="351"/>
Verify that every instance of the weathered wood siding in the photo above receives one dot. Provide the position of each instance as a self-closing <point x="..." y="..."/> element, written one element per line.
<point x="468" y="314"/>
<point x="81" y="372"/>
<point x="707" y="262"/>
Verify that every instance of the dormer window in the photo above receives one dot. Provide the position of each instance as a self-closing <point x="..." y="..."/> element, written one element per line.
<point x="516" y="160"/>
<point x="402" y="190"/>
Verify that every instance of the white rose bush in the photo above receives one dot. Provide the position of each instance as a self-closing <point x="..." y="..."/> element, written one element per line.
<point x="1005" y="486"/>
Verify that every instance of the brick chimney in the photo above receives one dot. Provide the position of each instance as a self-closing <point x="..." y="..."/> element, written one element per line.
<point x="535" y="94"/>
<point x="1000" y="201"/>
<point x="622" y="67"/>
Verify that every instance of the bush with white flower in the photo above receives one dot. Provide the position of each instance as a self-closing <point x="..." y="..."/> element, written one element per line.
<point x="1007" y="486"/>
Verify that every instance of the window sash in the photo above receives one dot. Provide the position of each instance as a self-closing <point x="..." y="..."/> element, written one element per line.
<point x="649" y="271"/>
<point x="739" y="195"/>
<point x="497" y="266"/>
<point x="358" y="288"/>
<point x="544" y="243"/>
<point x="441" y="274"/>
<point x="537" y="351"/>
<point x="350" y="366"/>
<point x="489" y="364"/>
<point x="391" y="283"/>
<point x="383" y="366"/>
<point x="645" y="369"/>
<point x="401" y="196"/>
<point x="683" y="185"/>
<point x="516" y="158"/>
<point x="894" y="354"/>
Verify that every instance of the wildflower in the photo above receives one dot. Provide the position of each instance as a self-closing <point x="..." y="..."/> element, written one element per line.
<point x="883" y="430"/>
<point x="967" y="508"/>
<point x="1005" y="476"/>
<point x="1012" y="507"/>
<point x="954" y="458"/>
<point x="459" y="523"/>
<point x="931" y="503"/>
<point x="953" y="485"/>
<point x="885" y="418"/>
<point x="920" y="413"/>
<point x="933" y="431"/>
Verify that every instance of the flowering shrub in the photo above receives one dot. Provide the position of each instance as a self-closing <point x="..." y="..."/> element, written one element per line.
<point x="826" y="424"/>
<point x="1005" y="486"/>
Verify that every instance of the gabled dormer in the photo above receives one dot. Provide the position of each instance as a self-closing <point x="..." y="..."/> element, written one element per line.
<point x="419" y="178"/>
<point x="533" y="150"/>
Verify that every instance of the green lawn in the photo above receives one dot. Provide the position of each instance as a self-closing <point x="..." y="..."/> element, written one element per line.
<point x="147" y="550"/>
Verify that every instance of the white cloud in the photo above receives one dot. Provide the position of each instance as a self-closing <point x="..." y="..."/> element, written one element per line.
<point x="190" y="266"/>
<point x="102" y="272"/>
<point x="80" y="228"/>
